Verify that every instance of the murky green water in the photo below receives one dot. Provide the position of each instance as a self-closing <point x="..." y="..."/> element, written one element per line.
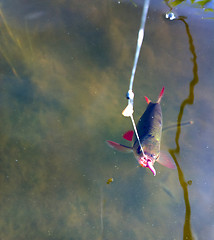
<point x="64" y="72"/>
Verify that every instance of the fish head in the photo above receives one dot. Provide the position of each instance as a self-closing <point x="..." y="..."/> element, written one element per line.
<point x="147" y="162"/>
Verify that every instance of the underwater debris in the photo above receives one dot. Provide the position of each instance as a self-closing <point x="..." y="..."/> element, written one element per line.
<point x="189" y="182"/>
<point x="110" y="180"/>
<point x="170" y="15"/>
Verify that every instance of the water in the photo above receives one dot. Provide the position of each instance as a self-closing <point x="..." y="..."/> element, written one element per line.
<point x="65" y="69"/>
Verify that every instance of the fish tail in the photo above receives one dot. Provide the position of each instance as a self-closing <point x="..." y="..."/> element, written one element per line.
<point x="147" y="100"/>
<point x="160" y="95"/>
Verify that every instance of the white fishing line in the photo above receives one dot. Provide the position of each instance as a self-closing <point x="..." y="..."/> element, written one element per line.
<point x="128" y="111"/>
<point x="139" y="41"/>
<point x="135" y="129"/>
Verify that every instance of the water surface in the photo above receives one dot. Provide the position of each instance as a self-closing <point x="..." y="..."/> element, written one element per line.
<point x="65" y="69"/>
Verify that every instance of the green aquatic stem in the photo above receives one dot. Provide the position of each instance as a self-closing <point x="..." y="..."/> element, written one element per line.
<point x="187" y="232"/>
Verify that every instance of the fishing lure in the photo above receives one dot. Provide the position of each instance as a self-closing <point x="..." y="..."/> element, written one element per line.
<point x="146" y="148"/>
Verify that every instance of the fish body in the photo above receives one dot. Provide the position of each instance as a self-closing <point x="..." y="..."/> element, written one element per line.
<point x="149" y="129"/>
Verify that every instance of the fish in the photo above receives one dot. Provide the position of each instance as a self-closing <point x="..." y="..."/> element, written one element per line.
<point x="149" y="129"/>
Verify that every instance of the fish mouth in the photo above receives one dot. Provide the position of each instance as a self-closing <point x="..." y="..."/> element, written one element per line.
<point x="143" y="162"/>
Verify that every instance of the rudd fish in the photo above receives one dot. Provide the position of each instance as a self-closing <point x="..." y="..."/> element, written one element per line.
<point x="149" y="129"/>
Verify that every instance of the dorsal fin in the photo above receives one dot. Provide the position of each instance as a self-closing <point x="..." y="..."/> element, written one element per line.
<point x="160" y="95"/>
<point x="128" y="135"/>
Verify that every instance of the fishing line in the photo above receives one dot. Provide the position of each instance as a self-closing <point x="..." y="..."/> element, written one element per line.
<point x="139" y="41"/>
<point x="128" y="111"/>
<point x="135" y="129"/>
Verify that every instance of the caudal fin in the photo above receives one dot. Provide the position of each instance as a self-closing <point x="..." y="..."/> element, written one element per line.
<point x="147" y="99"/>
<point x="160" y="95"/>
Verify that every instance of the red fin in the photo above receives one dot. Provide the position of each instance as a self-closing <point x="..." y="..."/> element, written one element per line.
<point x="147" y="100"/>
<point x="160" y="95"/>
<point x="128" y="135"/>
<point x="166" y="160"/>
<point x="119" y="147"/>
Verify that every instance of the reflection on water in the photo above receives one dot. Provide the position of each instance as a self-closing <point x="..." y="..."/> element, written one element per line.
<point x="64" y="68"/>
<point x="187" y="234"/>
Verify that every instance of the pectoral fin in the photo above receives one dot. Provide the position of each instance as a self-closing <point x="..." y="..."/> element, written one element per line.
<point x="166" y="160"/>
<point x="119" y="147"/>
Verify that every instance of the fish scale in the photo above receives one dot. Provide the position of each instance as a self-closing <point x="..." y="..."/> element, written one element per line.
<point x="149" y="129"/>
